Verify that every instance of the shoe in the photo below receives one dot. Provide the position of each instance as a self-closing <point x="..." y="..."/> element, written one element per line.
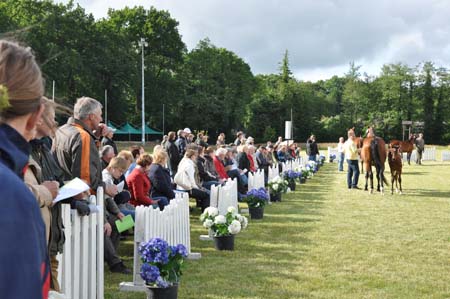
<point x="356" y="187"/>
<point x="120" y="268"/>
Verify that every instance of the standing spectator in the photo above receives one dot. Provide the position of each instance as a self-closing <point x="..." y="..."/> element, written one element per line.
<point x="351" y="154"/>
<point x="282" y="154"/>
<point x="200" y="140"/>
<point x="262" y="162"/>
<point x="311" y="148"/>
<point x="140" y="185"/>
<point x="108" y="139"/>
<point x="107" y="153"/>
<point x="239" y="136"/>
<point x="173" y="154"/>
<point x="181" y="142"/>
<point x="420" y="147"/>
<point x="75" y="147"/>
<point x="220" y="139"/>
<point x="160" y="177"/>
<point x="341" y="154"/>
<point x="164" y="141"/>
<point x="24" y="271"/>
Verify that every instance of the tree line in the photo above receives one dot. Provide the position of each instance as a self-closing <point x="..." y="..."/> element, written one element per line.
<point x="211" y="88"/>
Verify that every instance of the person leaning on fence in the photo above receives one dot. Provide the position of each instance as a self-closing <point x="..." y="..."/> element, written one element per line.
<point x="185" y="179"/>
<point x="420" y="148"/>
<point x="351" y="154"/>
<point x="25" y="270"/>
<point x="341" y="154"/>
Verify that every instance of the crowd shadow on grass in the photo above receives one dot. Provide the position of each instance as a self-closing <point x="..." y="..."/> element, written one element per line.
<point x="422" y="193"/>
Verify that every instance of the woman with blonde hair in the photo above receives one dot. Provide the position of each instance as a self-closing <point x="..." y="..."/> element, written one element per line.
<point x="186" y="178"/>
<point x="24" y="256"/>
<point x="160" y="177"/>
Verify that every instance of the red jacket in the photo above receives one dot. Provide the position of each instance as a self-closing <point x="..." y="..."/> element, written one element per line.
<point x="139" y="187"/>
<point x="220" y="168"/>
<point x="252" y="163"/>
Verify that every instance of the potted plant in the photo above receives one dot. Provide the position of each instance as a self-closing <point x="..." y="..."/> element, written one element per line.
<point x="256" y="200"/>
<point x="290" y="176"/>
<point x="332" y="158"/>
<point x="223" y="227"/>
<point x="161" y="267"/>
<point x="277" y="186"/>
<point x="321" y="160"/>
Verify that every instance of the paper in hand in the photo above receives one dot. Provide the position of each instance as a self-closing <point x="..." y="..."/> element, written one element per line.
<point x="126" y="223"/>
<point x="72" y="188"/>
<point x="120" y="186"/>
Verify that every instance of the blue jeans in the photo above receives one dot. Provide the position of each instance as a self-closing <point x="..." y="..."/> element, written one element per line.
<point x="207" y="185"/>
<point x="163" y="201"/>
<point x="353" y="173"/>
<point x="341" y="162"/>
<point x="312" y="158"/>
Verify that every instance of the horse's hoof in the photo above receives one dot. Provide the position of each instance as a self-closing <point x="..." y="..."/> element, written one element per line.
<point x="392" y="192"/>
<point x="371" y="191"/>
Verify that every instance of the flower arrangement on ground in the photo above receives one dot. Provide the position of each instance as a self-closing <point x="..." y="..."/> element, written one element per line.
<point x="307" y="173"/>
<point x="257" y="198"/>
<point x="332" y="157"/>
<point x="161" y="263"/>
<point x="313" y="166"/>
<point x="223" y="225"/>
<point x="321" y="160"/>
<point x="291" y="174"/>
<point x="278" y="185"/>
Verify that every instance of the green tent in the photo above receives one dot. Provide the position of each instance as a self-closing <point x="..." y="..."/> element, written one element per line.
<point x="115" y="128"/>
<point x="150" y="131"/>
<point x="128" y="129"/>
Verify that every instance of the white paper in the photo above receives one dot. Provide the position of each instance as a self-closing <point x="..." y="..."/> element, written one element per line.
<point x="120" y="186"/>
<point x="72" y="188"/>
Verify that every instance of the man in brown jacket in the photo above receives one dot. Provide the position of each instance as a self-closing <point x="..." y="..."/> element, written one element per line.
<point x="76" y="148"/>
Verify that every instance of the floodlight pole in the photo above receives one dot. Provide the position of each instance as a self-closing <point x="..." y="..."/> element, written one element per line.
<point x="106" y="107"/>
<point x="143" y="44"/>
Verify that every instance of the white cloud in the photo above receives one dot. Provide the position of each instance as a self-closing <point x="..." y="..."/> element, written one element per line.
<point x="322" y="36"/>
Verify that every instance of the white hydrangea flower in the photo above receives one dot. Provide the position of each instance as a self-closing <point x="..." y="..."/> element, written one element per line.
<point x="232" y="210"/>
<point x="212" y="211"/>
<point x="234" y="227"/>
<point x="220" y="219"/>
<point x="275" y="186"/>
<point x="208" y="223"/>
<point x="243" y="220"/>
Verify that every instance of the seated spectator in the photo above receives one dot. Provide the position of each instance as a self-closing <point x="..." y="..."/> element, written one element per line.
<point x="185" y="179"/>
<point x="161" y="185"/>
<point x="122" y="199"/>
<point x="135" y="152"/>
<point x="251" y="157"/>
<point x="242" y="159"/>
<point x="107" y="153"/>
<point x="139" y="184"/>
<point x="220" y="139"/>
<point x="173" y="153"/>
<point x="281" y="154"/>
<point x="206" y="180"/>
<point x="210" y="168"/>
<point x="219" y="159"/>
<point x="108" y="139"/>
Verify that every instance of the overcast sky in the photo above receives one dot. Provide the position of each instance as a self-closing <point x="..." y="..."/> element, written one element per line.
<point x="322" y="36"/>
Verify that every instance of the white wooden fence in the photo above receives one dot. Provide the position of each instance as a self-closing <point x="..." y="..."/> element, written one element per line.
<point x="256" y="180"/>
<point x="273" y="171"/>
<point x="225" y="196"/>
<point x="80" y="271"/>
<point x="445" y="155"/>
<point x="172" y="224"/>
<point x="293" y="164"/>
<point x="428" y="155"/>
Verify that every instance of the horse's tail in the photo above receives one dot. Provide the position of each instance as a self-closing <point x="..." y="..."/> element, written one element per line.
<point x="376" y="156"/>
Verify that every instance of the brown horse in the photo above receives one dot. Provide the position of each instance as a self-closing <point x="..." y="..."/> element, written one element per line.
<point x="404" y="146"/>
<point x="373" y="152"/>
<point x="395" y="164"/>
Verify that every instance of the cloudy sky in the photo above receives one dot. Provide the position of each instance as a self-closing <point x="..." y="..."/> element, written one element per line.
<point x="322" y="36"/>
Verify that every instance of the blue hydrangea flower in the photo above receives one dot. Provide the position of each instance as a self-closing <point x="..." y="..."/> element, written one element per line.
<point x="155" y="251"/>
<point x="149" y="273"/>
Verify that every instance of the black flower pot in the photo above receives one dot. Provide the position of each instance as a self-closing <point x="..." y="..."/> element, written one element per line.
<point x="170" y="292"/>
<point x="275" y="196"/>
<point x="256" y="213"/>
<point x="224" y="242"/>
<point x="291" y="184"/>
<point x="302" y="180"/>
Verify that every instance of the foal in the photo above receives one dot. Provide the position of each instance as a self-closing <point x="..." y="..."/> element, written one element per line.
<point x="395" y="164"/>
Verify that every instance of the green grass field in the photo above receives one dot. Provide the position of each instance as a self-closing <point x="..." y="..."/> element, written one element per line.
<point x="325" y="241"/>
